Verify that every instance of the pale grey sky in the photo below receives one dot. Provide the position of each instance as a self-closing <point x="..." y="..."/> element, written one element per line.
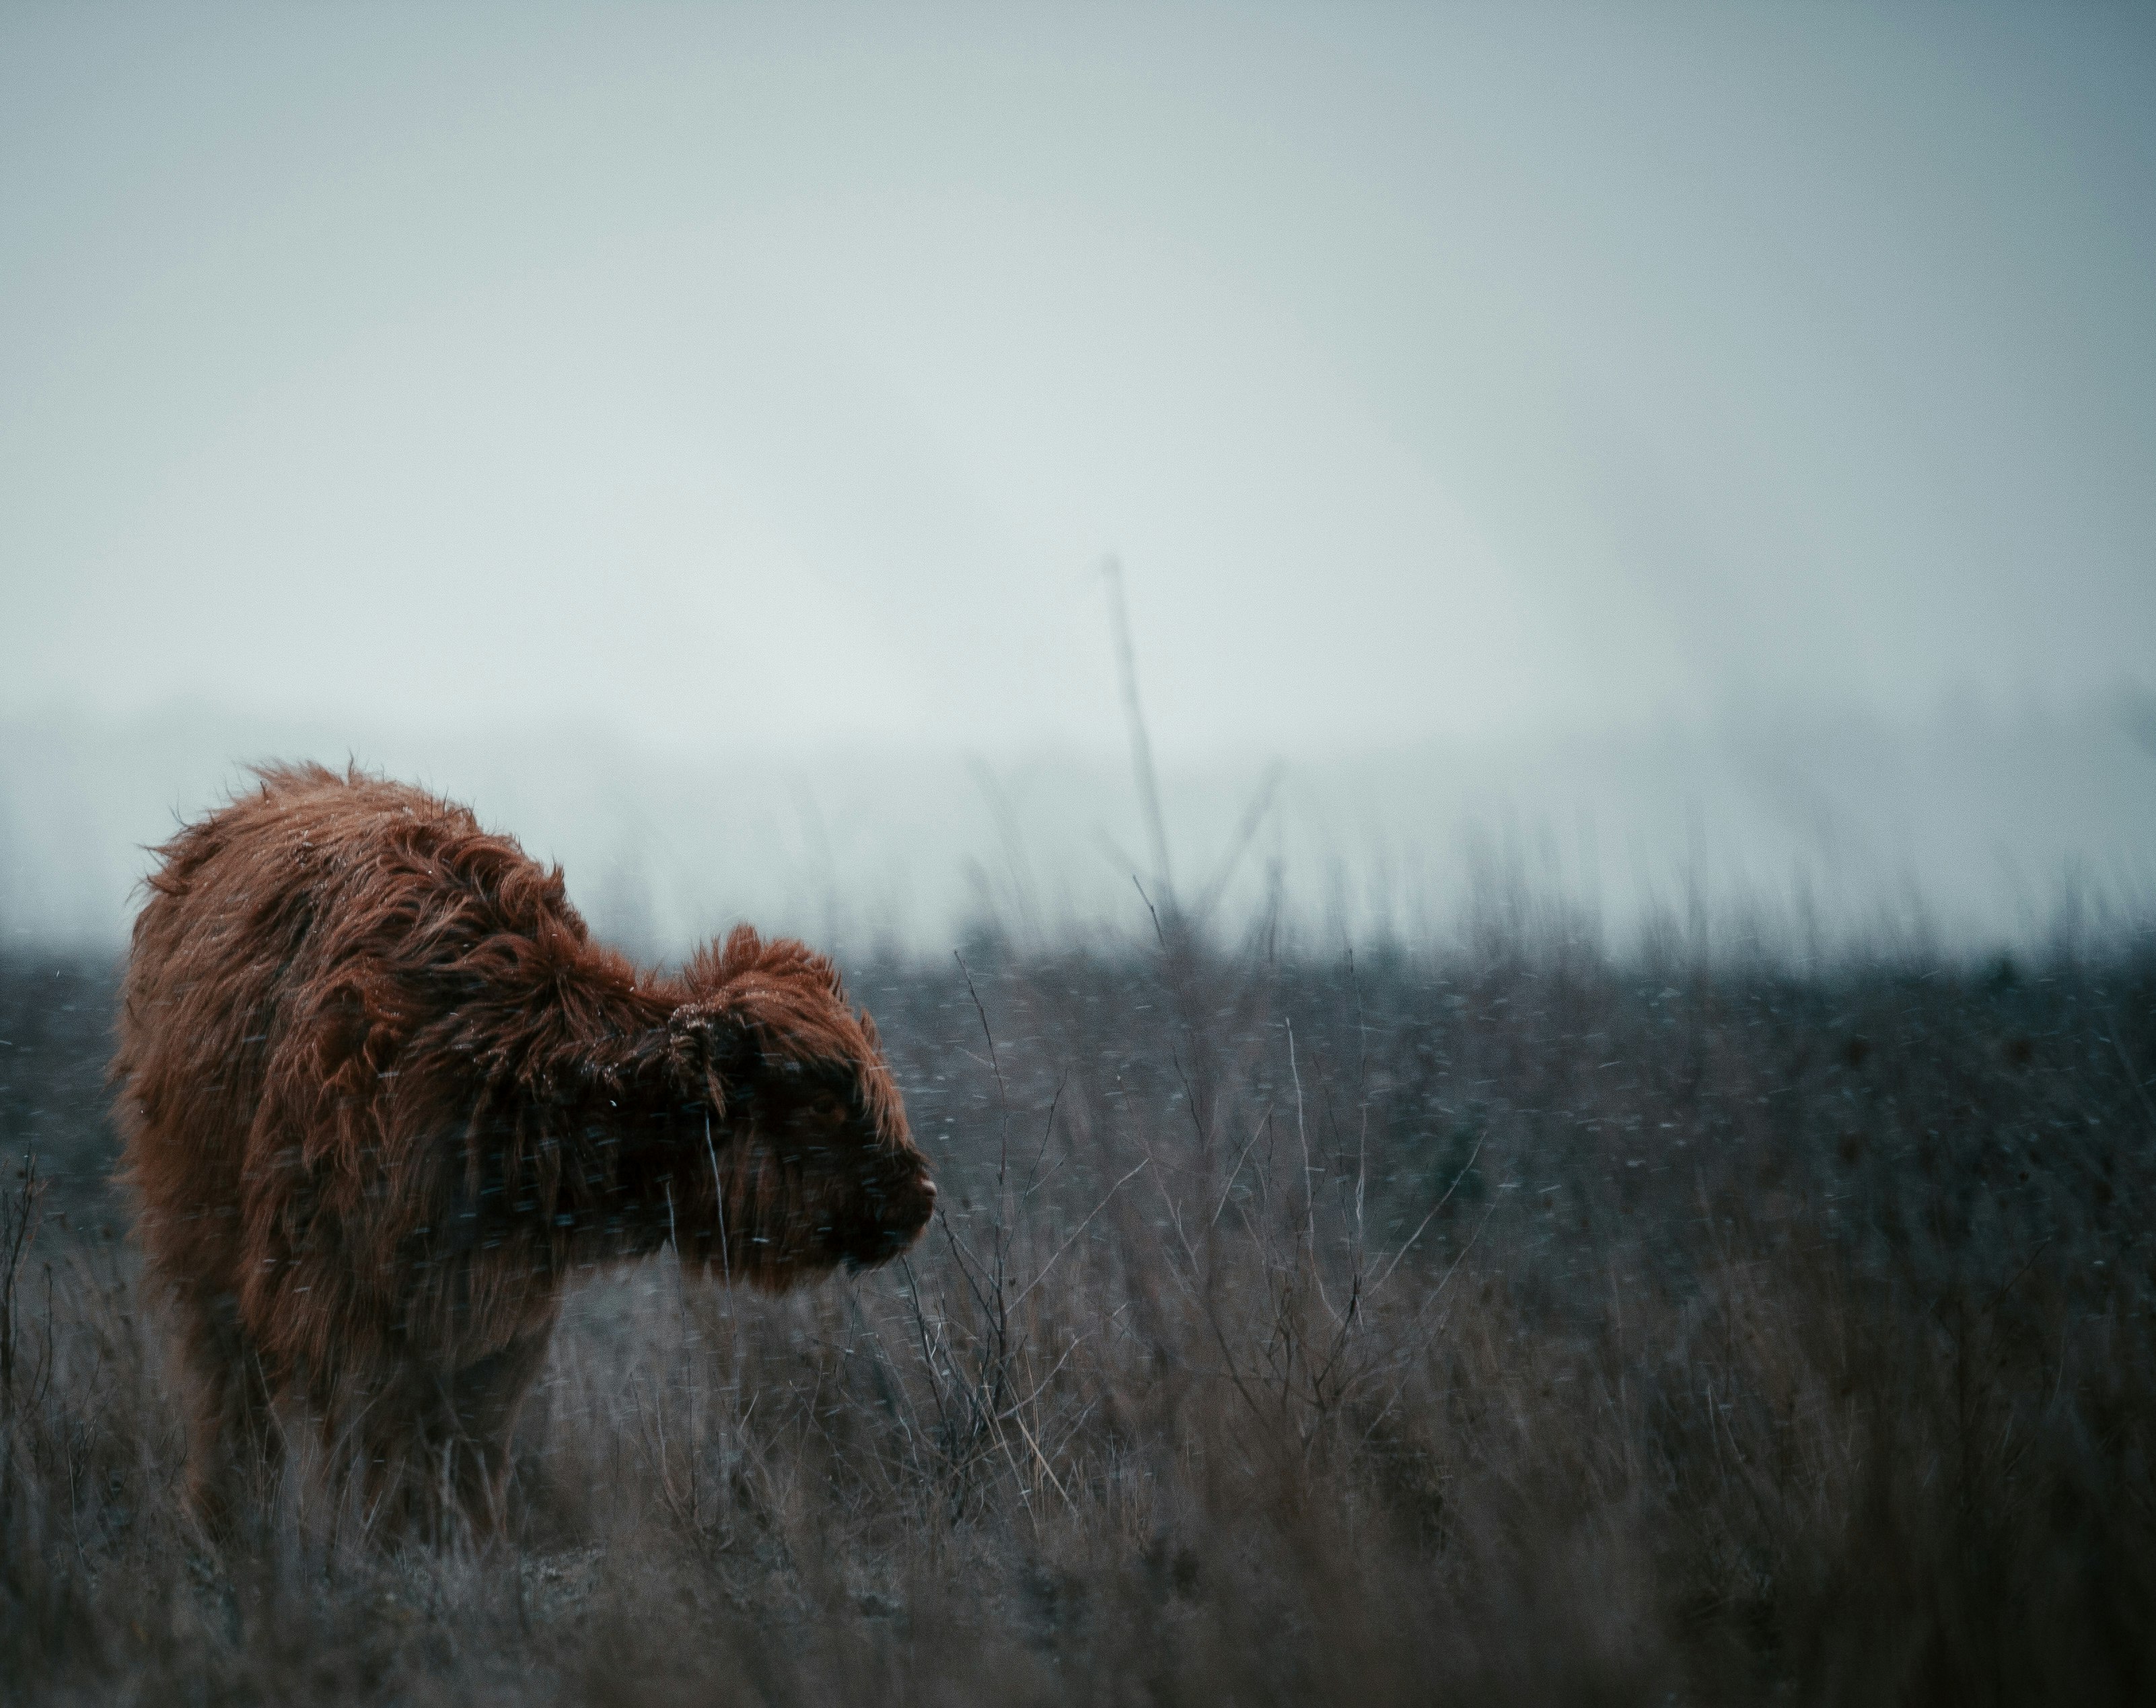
<point x="744" y="377"/>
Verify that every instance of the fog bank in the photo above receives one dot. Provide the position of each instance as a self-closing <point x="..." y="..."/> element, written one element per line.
<point x="1979" y="825"/>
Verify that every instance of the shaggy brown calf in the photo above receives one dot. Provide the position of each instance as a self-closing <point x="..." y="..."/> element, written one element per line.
<point x="382" y="1095"/>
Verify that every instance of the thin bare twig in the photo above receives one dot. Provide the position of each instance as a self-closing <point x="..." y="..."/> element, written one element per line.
<point x="1160" y="936"/>
<point x="1047" y="1132"/>
<point x="1227" y="1185"/>
<point x="1432" y="1217"/>
<point x="1209" y="896"/>
<point x="1140" y="744"/>
<point x="1074" y="1233"/>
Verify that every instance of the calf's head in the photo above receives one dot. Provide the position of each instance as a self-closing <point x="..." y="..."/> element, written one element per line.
<point x="807" y="1162"/>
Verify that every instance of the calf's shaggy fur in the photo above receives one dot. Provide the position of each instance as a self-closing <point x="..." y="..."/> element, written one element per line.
<point x="382" y="1095"/>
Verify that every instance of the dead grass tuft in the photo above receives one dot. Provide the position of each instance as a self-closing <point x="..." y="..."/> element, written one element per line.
<point x="1512" y="1326"/>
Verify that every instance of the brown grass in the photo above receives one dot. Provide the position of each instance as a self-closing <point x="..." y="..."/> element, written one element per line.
<point x="1511" y="1326"/>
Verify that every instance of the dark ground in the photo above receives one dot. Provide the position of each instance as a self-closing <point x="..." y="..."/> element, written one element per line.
<point x="1766" y="1336"/>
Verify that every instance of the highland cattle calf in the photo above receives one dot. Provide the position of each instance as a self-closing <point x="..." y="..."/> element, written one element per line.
<point x="382" y="1095"/>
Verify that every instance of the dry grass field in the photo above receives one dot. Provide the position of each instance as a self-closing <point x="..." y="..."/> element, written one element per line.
<point x="1507" y="1324"/>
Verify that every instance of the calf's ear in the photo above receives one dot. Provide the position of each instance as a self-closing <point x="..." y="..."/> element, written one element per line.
<point x="708" y="1051"/>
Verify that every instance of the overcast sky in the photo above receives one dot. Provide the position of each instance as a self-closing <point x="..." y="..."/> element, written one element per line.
<point x="746" y="377"/>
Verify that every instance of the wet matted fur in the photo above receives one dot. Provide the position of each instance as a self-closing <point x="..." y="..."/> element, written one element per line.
<point x="381" y="1094"/>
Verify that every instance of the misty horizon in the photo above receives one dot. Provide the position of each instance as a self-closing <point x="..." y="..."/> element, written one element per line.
<point x="1972" y="830"/>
